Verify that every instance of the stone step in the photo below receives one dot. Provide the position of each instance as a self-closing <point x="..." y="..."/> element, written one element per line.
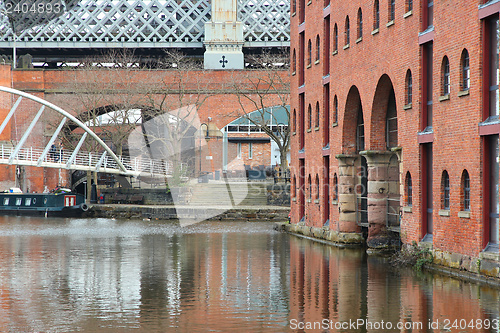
<point x="214" y="194"/>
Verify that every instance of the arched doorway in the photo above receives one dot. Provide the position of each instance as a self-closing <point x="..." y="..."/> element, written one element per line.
<point x="353" y="176"/>
<point x="383" y="167"/>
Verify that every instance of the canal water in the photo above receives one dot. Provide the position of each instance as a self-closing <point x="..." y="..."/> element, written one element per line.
<point x="103" y="275"/>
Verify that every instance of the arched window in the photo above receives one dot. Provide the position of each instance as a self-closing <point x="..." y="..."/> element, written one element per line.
<point x="294" y="6"/>
<point x="317" y="114"/>
<point x="335" y="193"/>
<point x="376" y="15"/>
<point x="360" y="24"/>
<point x="408" y="190"/>
<point x="391" y="122"/>
<point x="294" y="121"/>
<point x="409" y="5"/>
<point x="294" y="187"/>
<point x="347" y="31"/>
<point x="309" y="187"/>
<point x="445" y="70"/>
<point x="317" y="187"/>
<point x="464" y="71"/>
<point x="294" y="61"/>
<point x="309" y="117"/>
<point x="391" y="10"/>
<point x="335" y="109"/>
<point x="408" y="88"/>
<point x="335" y="38"/>
<point x="309" y="52"/>
<point x="318" y="48"/>
<point x="465" y="189"/>
<point x="445" y="190"/>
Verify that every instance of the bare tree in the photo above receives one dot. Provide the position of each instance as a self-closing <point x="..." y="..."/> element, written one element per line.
<point x="173" y="98"/>
<point x="108" y="89"/>
<point x="257" y="91"/>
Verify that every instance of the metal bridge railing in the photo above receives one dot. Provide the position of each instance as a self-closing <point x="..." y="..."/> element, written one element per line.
<point x="99" y="162"/>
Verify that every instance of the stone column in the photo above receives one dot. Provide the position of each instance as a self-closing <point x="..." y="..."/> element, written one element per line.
<point x="379" y="186"/>
<point x="347" y="194"/>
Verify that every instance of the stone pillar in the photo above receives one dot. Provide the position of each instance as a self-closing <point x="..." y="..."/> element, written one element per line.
<point x="379" y="185"/>
<point x="347" y="194"/>
<point x="224" y="37"/>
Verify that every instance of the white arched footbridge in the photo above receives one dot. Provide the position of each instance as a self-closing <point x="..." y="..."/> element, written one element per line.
<point x="106" y="162"/>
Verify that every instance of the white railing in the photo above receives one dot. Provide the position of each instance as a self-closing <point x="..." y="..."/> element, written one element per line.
<point x="100" y="162"/>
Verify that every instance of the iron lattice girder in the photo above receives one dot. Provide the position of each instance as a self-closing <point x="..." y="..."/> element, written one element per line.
<point x="137" y="24"/>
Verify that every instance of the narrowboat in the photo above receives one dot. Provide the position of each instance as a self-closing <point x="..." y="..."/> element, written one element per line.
<point x="60" y="202"/>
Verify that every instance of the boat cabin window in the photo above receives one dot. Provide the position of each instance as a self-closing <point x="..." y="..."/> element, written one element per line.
<point x="18" y="201"/>
<point x="5" y="201"/>
<point x="27" y="202"/>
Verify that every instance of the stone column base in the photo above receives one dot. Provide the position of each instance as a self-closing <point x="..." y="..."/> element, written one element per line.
<point x="341" y="239"/>
<point x="382" y="244"/>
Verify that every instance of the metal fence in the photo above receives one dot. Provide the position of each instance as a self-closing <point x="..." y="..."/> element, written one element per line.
<point x="393" y="216"/>
<point x="392" y="213"/>
<point x="362" y="211"/>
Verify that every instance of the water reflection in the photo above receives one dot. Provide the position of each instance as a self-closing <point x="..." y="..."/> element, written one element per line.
<point x="95" y="275"/>
<point x="344" y="290"/>
<point x="117" y="276"/>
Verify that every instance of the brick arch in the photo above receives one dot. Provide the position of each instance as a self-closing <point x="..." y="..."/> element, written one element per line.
<point x="87" y="115"/>
<point x="350" y="120"/>
<point x="376" y="133"/>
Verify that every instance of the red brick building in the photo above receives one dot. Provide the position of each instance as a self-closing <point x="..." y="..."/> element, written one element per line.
<point x="395" y="107"/>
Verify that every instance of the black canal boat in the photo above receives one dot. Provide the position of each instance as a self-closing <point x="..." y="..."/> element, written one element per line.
<point x="60" y="202"/>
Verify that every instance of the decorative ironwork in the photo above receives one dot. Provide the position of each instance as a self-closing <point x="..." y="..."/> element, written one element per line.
<point x="134" y="23"/>
<point x="265" y="23"/>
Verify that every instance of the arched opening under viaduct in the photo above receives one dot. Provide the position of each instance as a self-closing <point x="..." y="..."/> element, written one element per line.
<point x="369" y="166"/>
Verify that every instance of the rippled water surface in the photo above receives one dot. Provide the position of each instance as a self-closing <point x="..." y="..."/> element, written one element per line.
<point x="102" y="275"/>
